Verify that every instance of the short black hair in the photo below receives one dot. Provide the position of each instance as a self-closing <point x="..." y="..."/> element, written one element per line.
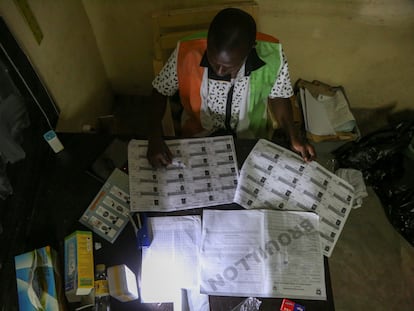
<point x="232" y="29"/>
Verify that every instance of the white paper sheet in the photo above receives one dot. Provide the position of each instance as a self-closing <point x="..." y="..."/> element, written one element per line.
<point x="262" y="253"/>
<point x="171" y="262"/>
<point x="204" y="173"/>
<point x="276" y="178"/>
<point x="317" y="118"/>
<point x="326" y="115"/>
<point x="338" y="111"/>
<point x="197" y="301"/>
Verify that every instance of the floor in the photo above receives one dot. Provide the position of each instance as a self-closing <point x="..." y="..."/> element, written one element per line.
<point x="372" y="266"/>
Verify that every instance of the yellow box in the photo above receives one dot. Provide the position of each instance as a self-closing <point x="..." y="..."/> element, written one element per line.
<point x="122" y="283"/>
<point x="79" y="273"/>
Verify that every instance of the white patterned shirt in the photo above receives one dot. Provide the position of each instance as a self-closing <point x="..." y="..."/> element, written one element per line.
<point x="214" y="92"/>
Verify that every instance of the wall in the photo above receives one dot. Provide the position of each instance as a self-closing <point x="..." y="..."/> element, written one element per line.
<point x="67" y="60"/>
<point x="364" y="45"/>
<point x="123" y="32"/>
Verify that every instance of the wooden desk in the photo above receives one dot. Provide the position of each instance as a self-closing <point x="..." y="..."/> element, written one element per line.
<point x="124" y="252"/>
<point x="66" y="190"/>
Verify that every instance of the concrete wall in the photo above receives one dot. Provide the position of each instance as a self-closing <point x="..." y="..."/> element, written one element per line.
<point x="364" y="45"/>
<point x="123" y="32"/>
<point x="67" y="60"/>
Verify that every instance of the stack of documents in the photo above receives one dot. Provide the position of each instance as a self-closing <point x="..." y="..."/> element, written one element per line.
<point x="170" y="265"/>
<point x="260" y="253"/>
<point x="326" y="114"/>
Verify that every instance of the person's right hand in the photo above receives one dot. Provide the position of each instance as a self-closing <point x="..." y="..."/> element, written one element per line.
<point x="158" y="153"/>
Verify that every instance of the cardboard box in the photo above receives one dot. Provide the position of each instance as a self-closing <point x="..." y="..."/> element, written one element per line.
<point x="39" y="285"/>
<point x="122" y="283"/>
<point x="319" y="93"/>
<point x="79" y="273"/>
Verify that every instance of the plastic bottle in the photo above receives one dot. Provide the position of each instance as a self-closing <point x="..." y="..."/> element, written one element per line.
<point x="102" y="299"/>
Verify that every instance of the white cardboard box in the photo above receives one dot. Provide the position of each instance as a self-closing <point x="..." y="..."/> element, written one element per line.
<point x="122" y="283"/>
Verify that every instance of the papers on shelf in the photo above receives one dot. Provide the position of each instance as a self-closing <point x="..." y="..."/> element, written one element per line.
<point x="204" y="172"/>
<point x="276" y="178"/>
<point x="262" y="253"/>
<point x="326" y="115"/>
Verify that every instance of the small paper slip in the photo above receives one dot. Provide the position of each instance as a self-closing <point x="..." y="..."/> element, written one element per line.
<point x="204" y="172"/>
<point x="276" y="178"/>
<point x="107" y="215"/>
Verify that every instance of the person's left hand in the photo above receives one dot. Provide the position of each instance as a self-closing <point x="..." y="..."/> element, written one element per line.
<point x="304" y="148"/>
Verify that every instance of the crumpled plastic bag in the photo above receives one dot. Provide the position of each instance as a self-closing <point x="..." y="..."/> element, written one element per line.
<point x="249" y="304"/>
<point x="378" y="155"/>
<point x="397" y="197"/>
<point x="5" y="186"/>
<point x="381" y="157"/>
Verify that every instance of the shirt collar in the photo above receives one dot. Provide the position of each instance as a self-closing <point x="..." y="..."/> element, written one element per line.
<point x="253" y="62"/>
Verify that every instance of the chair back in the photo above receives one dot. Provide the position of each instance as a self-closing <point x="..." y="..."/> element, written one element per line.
<point x="172" y="25"/>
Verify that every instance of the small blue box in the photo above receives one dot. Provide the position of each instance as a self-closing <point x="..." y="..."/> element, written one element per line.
<point x="143" y="234"/>
<point x="38" y="285"/>
<point x="53" y="141"/>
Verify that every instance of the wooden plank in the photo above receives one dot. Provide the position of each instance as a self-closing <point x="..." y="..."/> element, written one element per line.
<point x="198" y="15"/>
<point x="169" y="41"/>
<point x="245" y="5"/>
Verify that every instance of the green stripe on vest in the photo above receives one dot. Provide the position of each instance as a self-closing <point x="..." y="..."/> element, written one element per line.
<point x="195" y="36"/>
<point x="261" y="83"/>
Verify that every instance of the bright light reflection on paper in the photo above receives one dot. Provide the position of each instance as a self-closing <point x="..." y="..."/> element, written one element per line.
<point x="160" y="282"/>
<point x="171" y="262"/>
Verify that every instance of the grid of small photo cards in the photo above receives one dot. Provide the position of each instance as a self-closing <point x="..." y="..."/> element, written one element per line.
<point x="107" y="215"/>
<point x="203" y="172"/>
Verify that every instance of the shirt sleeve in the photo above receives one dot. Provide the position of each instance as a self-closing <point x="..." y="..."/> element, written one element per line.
<point x="166" y="82"/>
<point x="282" y="87"/>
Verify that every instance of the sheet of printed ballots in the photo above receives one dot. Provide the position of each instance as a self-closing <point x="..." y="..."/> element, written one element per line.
<point x="203" y="173"/>
<point x="276" y="178"/>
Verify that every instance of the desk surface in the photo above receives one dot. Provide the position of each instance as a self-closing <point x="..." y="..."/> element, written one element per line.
<point x="69" y="170"/>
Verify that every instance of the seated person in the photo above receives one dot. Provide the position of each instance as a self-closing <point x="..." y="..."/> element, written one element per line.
<point x="225" y="83"/>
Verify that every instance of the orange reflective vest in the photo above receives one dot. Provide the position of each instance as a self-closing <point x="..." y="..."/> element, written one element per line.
<point x="190" y="75"/>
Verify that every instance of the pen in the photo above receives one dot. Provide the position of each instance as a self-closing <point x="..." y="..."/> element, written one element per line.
<point x="137" y="215"/>
<point x="133" y="224"/>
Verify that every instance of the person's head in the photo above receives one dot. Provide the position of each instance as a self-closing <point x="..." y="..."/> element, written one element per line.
<point x="231" y="36"/>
